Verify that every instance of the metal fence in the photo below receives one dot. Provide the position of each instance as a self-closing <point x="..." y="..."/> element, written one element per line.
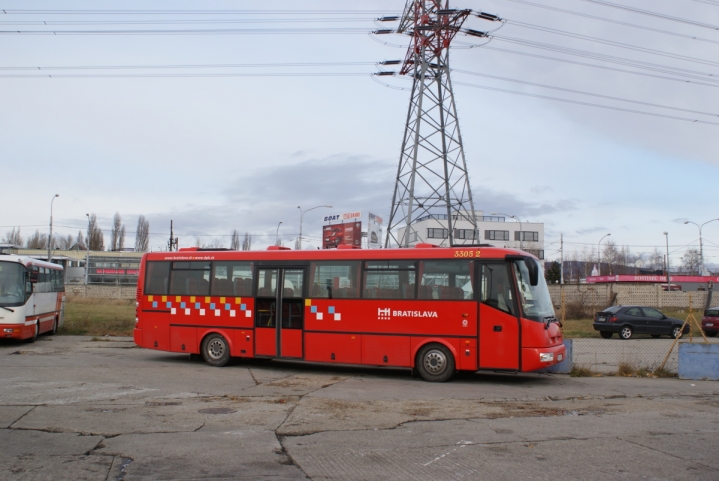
<point x="576" y="305"/>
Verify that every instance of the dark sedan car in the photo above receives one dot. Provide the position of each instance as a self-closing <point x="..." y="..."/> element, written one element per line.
<point x="630" y="320"/>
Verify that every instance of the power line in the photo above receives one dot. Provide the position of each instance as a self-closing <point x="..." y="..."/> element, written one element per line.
<point x="612" y="43"/>
<point x="42" y="23"/>
<point x="199" y="66"/>
<point x="190" y="12"/>
<point x="603" y="67"/>
<point x="562" y="89"/>
<point x="226" y="31"/>
<point x="190" y="75"/>
<point x="617" y="22"/>
<point x="577" y="102"/>
<point x="680" y="72"/>
<point x="653" y="14"/>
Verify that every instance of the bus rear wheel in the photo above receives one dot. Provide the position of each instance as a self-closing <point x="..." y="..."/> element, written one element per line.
<point x="435" y="363"/>
<point x="215" y="350"/>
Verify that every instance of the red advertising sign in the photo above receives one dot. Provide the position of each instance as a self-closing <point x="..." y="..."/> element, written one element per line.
<point x="654" y="279"/>
<point x="336" y="234"/>
<point x="115" y="272"/>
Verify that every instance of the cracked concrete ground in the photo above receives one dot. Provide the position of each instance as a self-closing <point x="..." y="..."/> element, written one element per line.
<point x="73" y="408"/>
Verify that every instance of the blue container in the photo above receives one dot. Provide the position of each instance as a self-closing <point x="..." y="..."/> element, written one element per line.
<point x="699" y="361"/>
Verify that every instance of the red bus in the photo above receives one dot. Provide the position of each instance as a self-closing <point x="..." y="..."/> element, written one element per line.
<point x="436" y="310"/>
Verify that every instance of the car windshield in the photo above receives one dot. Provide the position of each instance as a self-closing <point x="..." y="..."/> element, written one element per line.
<point x="536" y="302"/>
<point x="12" y="284"/>
<point x="712" y="313"/>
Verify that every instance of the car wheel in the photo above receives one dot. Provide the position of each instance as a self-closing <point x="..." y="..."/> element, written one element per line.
<point x="435" y="363"/>
<point x="626" y="332"/>
<point x="605" y="334"/>
<point x="711" y="333"/>
<point x="215" y="350"/>
<point x="656" y="336"/>
<point x="677" y="332"/>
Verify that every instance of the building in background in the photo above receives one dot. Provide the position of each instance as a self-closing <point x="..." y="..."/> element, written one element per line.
<point x="492" y="229"/>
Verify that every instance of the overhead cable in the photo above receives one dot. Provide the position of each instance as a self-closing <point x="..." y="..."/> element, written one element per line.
<point x="612" y="43"/>
<point x="653" y="14"/>
<point x="616" y="22"/>
<point x="562" y="89"/>
<point x="577" y="102"/>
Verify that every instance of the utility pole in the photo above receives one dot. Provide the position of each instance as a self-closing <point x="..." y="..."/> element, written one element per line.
<point x="172" y="244"/>
<point x="432" y="179"/>
<point x="561" y="257"/>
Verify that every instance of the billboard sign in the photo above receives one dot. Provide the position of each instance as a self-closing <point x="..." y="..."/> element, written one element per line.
<point x="336" y="234"/>
<point x="374" y="232"/>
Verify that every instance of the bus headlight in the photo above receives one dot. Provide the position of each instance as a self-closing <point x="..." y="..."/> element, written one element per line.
<point x="546" y="357"/>
<point x="8" y="330"/>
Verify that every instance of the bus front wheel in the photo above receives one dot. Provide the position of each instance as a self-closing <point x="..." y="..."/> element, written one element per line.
<point x="435" y="363"/>
<point x="215" y="350"/>
<point x="35" y="332"/>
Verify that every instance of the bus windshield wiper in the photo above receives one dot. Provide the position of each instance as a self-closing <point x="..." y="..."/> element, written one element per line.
<point x="7" y="308"/>
<point x="548" y="320"/>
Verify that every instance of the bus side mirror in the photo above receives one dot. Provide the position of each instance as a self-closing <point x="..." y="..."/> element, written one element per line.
<point x="533" y="271"/>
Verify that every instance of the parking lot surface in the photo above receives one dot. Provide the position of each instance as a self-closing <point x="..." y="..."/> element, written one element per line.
<point x="82" y="409"/>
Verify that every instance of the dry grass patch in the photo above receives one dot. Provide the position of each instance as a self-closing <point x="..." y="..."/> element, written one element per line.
<point x="98" y="317"/>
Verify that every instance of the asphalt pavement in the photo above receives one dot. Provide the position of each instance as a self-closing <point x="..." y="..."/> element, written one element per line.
<point x="77" y="409"/>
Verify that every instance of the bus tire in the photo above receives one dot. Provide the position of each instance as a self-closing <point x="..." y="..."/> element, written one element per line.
<point x="215" y="350"/>
<point x="34" y="336"/>
<point x="435" y="363"/>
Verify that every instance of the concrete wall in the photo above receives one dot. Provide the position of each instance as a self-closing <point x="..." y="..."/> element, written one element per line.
<point x="101" y="292"/>
<point x="600" y="295"/>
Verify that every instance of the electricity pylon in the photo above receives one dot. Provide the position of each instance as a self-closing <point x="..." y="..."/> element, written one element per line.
<point x="432" y="175"/>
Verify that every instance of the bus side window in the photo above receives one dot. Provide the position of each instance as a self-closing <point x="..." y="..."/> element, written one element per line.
<point x="496" y="287"/>
<point x="334" y="280"/>
<point x="446" y="279"/>
<point x="156" y="278"/>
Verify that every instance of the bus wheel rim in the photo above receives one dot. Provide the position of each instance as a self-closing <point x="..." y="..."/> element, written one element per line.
<point x="216" y="349"/>
<point x="435" y="362"/>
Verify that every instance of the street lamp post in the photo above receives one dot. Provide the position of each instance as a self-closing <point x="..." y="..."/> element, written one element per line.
<point x="302" y="214"/>
<point x="666" y="262"/>
<point x="277" y="234"/>
<point x="49" y="239"/>
<point x="87" y="252"/>
<point x="520" y="226"/>
<point x="599" y="255"/>
<point x="701" y="248"/>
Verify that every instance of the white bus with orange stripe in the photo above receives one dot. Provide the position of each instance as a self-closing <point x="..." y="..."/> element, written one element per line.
<point x="32" y="297"/>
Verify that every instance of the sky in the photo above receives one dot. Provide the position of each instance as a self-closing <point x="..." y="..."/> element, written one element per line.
<point x="218" y="153"/>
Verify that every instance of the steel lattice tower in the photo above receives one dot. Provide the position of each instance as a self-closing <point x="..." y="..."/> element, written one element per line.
<point x="432" y="175"/>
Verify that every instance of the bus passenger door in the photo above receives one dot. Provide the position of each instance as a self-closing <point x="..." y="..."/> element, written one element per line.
<point x="279" y="313"/>
<point x="499" y="334"/>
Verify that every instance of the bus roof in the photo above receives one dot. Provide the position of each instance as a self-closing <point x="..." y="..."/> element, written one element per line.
<point x="28" y="261"/>
<point x="275" y="254"/>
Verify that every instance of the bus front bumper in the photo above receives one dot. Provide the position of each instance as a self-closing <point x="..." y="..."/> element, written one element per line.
<point x="534" y="358"/>
<point x="16" y="331"/>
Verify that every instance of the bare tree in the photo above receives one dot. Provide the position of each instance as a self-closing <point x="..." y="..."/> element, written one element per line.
<point x="95" y="238"/>
<point x="214" y="244"/>
<point x="80" y="241"/>
<point x="610" y="255"/>
<point x="64" y="243"/>
<point x="117" y="235"/>
<point x="13" y="237"/>
<point x="656" y="259"/>
<point x="692" y="261"/>
<point x="142" y="237"/>
<point x="247" y="243"/>
<point x="235" y="242"/>
<point x="37" y="241"/>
